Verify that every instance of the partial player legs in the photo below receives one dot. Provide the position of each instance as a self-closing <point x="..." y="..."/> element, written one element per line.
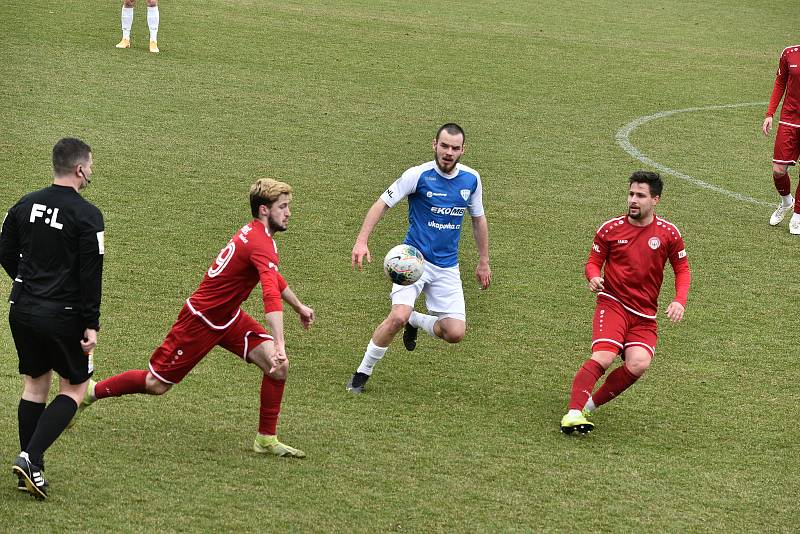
<point x="275" y="369"/>
<point x="378" y="345"/>
<point x="783" y="186"/>
<point x="153" y="19"/>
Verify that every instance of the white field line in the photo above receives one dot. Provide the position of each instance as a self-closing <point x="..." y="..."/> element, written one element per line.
<point x="623" y="141"/>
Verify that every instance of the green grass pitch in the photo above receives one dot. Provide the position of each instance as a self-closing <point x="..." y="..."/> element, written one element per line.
<point x="338" y="98"/>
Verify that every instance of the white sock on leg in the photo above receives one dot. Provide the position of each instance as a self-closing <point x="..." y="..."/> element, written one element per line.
<point x="373" y="355"/>
<point x="127" y="22"/>
<point x="787" y="200"/>
<point x="590" y="407"/>
<point x="426" y="322"/>
<point x="152" y="22"/>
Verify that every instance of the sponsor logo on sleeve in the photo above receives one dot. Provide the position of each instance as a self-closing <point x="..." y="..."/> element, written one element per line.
<point x="390" y="193"/>
<point x="101" y="243"/>
<point x="596" y="248"/>
<point x="682" y="254"/>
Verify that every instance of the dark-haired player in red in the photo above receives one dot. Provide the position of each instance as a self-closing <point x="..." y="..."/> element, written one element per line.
<point x="787" y="139"/>
<point x="634" y="249"/>
<point x="212" y="317"/>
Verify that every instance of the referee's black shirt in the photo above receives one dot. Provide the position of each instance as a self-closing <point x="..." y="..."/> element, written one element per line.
<point x="52" y="245"/>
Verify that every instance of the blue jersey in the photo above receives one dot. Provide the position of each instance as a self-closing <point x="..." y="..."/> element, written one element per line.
<point x="436" y="206"/>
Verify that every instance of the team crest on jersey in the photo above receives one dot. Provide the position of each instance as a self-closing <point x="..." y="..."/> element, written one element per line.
<point x="654" y="242"/>
<point x="464" y="194"/>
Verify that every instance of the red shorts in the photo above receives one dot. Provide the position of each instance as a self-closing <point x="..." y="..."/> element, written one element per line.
<point x="787" y="145"/>
<point x="614" y="328"/>
<point x="190" y="339"/>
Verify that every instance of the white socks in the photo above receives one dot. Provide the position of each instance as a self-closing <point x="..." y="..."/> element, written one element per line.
<point x="787" y="200"/>
<point x="127" y="22"/>
<point x="590" y="407"/>
<point x="152" y="22"/>
<point x="426" y="322"/>
<point x="373" y="355"/>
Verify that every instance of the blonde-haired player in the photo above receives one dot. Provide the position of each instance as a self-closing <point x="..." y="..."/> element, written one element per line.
<point x="153" y="19"/>
<point x="212" y="317"/>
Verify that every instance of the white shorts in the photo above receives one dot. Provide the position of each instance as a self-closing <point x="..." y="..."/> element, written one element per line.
<point x="444" y="296"/>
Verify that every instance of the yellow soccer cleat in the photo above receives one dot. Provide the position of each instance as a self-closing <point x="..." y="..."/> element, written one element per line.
<point x="575" y="420"/>
<point x="271" y="445"/>
<point x="124" y="43"/>
<point x="154" y="47"/>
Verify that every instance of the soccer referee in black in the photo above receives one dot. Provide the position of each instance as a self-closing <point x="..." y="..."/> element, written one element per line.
<point x="51" y="245"/>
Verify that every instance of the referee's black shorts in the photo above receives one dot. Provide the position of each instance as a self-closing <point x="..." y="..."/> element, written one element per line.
<point x="49" y="338"/>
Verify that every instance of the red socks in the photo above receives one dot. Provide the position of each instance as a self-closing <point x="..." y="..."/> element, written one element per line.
<point x="783" y="184"/>
<point x="583" y="384"/>
<point x="618" y="381"/>
<point x="271" y="396"/>
<point x="122" y="384"/>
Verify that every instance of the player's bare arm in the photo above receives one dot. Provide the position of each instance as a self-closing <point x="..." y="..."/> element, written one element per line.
<point x="675" y="311"/>
<point x="596" y="284"/>
<point x="275" y="323"/>
<point x="360" y="249"/>
<point x="305" y="313"/>
<point x="766" y="126"/>
<point x="480" y="231"/>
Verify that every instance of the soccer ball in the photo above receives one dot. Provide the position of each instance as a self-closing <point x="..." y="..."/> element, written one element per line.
<point x="404" y="265"/>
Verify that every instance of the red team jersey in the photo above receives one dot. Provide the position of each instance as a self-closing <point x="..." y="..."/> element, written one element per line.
<point x="250" y="257"/>
<point x="634" y="258"/>
<point x="787" y="80"/>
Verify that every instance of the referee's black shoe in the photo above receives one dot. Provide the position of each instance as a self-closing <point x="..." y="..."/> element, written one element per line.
<point x="410" y="337"/>
<point x="31" y="474"/>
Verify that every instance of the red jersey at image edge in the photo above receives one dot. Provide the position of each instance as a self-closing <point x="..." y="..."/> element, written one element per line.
<point x="787" y="86"/>
<point x="632" y="259"/>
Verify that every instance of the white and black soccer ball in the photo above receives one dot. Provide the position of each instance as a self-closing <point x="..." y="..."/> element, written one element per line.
<point x="404" y="265"/>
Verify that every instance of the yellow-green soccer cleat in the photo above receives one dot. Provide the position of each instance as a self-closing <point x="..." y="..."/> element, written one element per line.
<point x="573" y="421"/>
<point x="88" y="398"/>
<point x="124" y="43"/>
<point x="271" y="445"/>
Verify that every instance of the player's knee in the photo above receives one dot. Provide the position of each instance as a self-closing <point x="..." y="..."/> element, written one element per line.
<point x="129" y="3"/>
<point x="638" y="365"/>
<point x="779" y="171"/>
<point x="454" y="333"/>
<point x="154" y="386"/>
<point x="395" y="322"/>
<point x="281" y="371"/>
<point x="152" y="3"/>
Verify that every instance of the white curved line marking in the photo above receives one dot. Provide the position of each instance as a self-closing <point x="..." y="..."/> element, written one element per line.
<point x="623" y="141"/>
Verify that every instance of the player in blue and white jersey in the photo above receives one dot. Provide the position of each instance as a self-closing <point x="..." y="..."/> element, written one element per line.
<point x="439" y="193"/>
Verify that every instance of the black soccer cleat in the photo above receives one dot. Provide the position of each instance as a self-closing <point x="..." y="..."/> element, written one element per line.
<point x="410" y="336"/>
<point x="357" y="383"/>
<point x="31" y="474"/>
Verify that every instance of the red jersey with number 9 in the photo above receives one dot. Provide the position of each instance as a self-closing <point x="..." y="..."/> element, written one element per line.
<point x="250" y="257"/>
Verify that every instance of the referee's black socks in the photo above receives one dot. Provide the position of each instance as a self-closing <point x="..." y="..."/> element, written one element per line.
<point x="52" y="423"/>
<point x="28" y="414"/>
